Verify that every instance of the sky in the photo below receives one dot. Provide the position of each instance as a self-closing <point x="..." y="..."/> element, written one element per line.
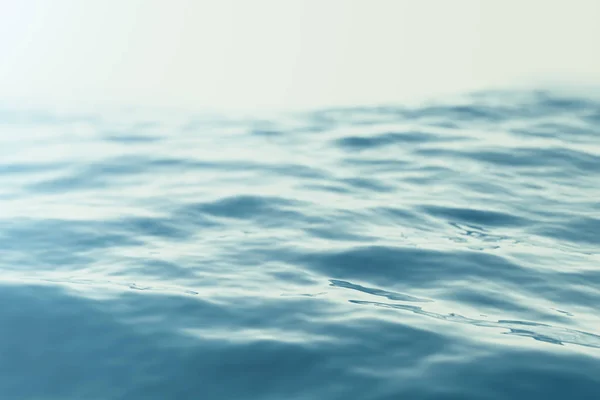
<point x="287" y="54"/>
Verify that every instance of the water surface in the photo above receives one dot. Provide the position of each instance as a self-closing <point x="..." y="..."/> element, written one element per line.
<point x="446" y="251"/>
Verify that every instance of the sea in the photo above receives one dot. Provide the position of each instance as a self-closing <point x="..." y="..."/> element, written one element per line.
<point x="441" y="250"/>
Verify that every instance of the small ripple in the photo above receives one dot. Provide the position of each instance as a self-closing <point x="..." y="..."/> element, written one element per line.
<point x="537" y="331"/>
<point x="579" y="230"/>
<point x="251" y="207"/>
<point x="132" y="139"/>
<point x="418" y="267"/>
<point x="377" y="292"/>
<point x="368" y="184"/>
<point x="475" y="216"/>
<point x="386" y="139"/>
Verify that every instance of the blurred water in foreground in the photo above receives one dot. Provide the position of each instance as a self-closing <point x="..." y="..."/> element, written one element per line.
<point x="449" y="251"/>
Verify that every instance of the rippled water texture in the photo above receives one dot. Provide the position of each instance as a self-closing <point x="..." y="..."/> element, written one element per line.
<point x="448" y="251"/>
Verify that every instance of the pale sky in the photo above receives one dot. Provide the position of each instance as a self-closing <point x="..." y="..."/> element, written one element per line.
<point x="287" y="53"/>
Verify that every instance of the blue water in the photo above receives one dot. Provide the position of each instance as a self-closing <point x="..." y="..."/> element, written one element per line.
<point x="442" y="251"/>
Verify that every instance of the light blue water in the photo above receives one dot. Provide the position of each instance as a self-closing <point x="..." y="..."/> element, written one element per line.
<point x="438" y="252"/>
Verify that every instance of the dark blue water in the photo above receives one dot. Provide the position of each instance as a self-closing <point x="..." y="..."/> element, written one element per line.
<point x="448" y="251"/>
